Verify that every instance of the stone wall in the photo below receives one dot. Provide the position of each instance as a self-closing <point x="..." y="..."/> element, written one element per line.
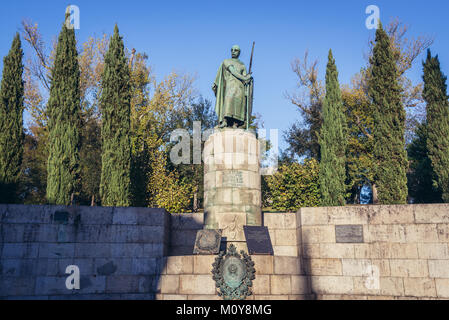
<point x="189" y="277"/>
<point x="119" y="251"/>
<point x="404" y="253"/>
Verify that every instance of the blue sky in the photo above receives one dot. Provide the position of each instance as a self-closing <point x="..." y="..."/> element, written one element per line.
<point x="195" y="36"/>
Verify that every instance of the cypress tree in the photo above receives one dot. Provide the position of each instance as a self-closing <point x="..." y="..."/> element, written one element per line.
<point x="435" y="95"/>
<point x="389" y="124"/>
<point x="421" y="176"/>
<point x="11" y="122"/>
<point x="64" y="122"/>
<point x="116" y="112"/>
<point x="333" y="141"/>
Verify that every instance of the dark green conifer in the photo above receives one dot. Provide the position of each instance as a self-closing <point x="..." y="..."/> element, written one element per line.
<point x="64" y="122"/>
<point x="435" y="95"/>
<point x="11" y="122"/>
<point x="333" y="141"/>
<point x="389" y="124"/>
<point x="116" y="109"/>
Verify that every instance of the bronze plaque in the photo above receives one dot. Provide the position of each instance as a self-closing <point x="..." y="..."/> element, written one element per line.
<point x="258" y="240"/>
<point x="349" y="234"/>
<point x="207" y="241"/>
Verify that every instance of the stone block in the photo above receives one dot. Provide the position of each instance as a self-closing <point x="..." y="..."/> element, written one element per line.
<point x="126" y="250"/>
<point x="286" y="237"/>
<point x="300" y="285"/>
<point x="383" y="265"/>
<point x="151" y="250"/>
<point x="356" y="267"/>
<point x="336" y="250"/>
<point x="96" y="233"/>
<point x="285" y="251"/>
<point x="385" y="233"/>
<point x="332" y="285"/>
<point x="263" y="264"/>
<point x="202" y="264"/>
<point x="196" y="284"/>
<point x="391" y="214"/>
<point x="443" y="232"/>
<point x="94" y="250"/>
<point x="362" y="251"/>
<point x="439" y="268"/>
<point x="11" y="286"/>
<point x="184" y="237"/>
<point x="422" y="233"/>
<point x="442" y="287"/>
<point x="95" y="215"/>
<point x="261" y="285"/>
<point x="115" y="266"/>
<point x="325" y="267"/>
<point x="20" y="250"/>
<point x="152" y="217"/>
<point x="18" y="267"/>
<point x="312" y="251"/>
<point x="382" y="250"/>
<point x="382" y="286"/>
<point x="419" y="287"/>
<point x="408" y="268"/>
<point x="56" y="250"/>
<point x="314" y="216"/>
<point x="431" y="213"/>
<point x="281" y="284"/>
<point x="122" y="284"/>
<point x="124" y="216"/>
<point x="13" y="232"/>
<point x="433" y="251"/>
<point x="145" y="266"/>
<point x="180" y="265"/>
<point x="153" y="234"/>
<point x="318" y="234"/>
<point x="168" y="284"/>
<point x="348" y="215"/>
<point x="190" y="221"/>
<point x="287" y="265"/>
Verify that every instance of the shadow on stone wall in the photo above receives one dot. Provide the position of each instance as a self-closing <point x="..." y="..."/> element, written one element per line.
<point x="119" y="251"/>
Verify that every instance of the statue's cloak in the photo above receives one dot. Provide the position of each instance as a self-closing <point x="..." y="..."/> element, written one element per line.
<point x="234" y="98"/>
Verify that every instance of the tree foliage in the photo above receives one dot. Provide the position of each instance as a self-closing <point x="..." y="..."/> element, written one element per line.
<point x="294" y="186"/>
<point x="115" y="103"/>
<point x="421" y="178"/>
<point x="435" y="95"/>
<point x="64" y="121"/>
<point x="11" y="122"/>
<point x="333" y="141"/>
<point x="389" y="124"/>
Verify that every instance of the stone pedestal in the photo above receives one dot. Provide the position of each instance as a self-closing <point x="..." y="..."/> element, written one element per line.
<point x="232" y="189"/>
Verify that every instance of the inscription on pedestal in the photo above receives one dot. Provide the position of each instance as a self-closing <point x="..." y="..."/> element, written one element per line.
<point x="349" y="234"/>
<point x="207" y="242"/>
<point x="232" y="179"/>
<point x="258" y="240"/>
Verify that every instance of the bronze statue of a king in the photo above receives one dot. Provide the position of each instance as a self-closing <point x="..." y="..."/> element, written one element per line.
<point x="233" y="88"/>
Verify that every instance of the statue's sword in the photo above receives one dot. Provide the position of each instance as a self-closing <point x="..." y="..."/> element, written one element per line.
<point x="247" y="87"/>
